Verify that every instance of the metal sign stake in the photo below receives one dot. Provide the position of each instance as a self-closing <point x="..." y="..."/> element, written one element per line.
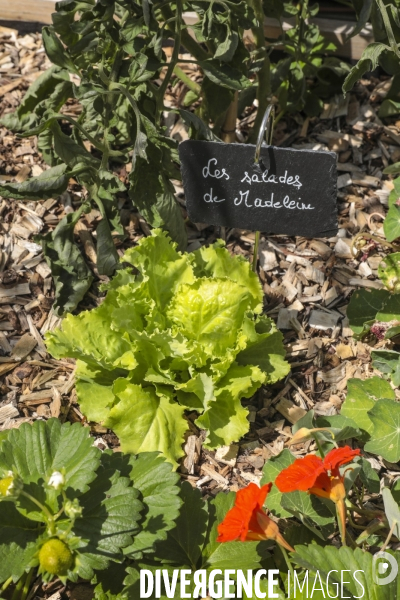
<point x="267" y="129"/>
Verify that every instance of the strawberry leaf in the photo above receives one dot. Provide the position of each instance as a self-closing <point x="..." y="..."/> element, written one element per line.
<point x="110" y="516"/>
<point x="17" y="542"/>
<point x="157" y="484"/>
<point x="36" y="451"/>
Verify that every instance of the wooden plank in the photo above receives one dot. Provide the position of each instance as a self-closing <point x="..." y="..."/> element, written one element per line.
<point x="38" y="11"/>
<point x="335" y="30"/>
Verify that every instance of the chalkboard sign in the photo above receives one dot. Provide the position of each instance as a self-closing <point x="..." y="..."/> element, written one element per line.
<point x="289" y="191"/>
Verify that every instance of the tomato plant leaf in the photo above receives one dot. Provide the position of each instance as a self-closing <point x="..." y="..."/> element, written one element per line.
<point x="224" y="75"/>
<point x="48" y="184"/>
<point x="72" y="276"/>
<point x="56" y="51"/>
<point x="107" y="255"/>
<point x="50" y="90"/>
<point x="368" y="62"/>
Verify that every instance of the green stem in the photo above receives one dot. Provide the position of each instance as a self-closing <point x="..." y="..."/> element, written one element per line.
<point x="18" y="587"/>
<point x="193" y="47"/>
<point x="110" y="103"/>
<point x="388" y="27"/>
<point x="38" y="504"/>
<point x="353" y="524"/>
<point x="264" y="75"/>
<point x="363" y="511"/>
<point x="255" y="253"/>
<point x="118" y="88"/>
<point x="6" y="584"/>
<point x="281" y="114"/>
<point x="192" y="85"/>
<point x="186" y="39"/>
<point x="369" y="236"/>
<point x="322" y="453"/>
<point x="25" y="589"/>
<point x="91" y="139"/>
<point x="288" y="562"/>
<point x="360" y="497"/>
<point x="389" y="536"/>
<point x="174" y="57"/>
<point x="301" y="22"/>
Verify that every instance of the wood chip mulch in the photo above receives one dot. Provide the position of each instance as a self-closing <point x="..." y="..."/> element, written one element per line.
<point x="307" y="283"/>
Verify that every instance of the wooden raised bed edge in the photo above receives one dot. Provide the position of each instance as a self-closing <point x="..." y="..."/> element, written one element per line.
<point x="336" y="31"/>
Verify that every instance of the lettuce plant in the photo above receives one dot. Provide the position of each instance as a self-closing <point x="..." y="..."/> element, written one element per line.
<point x="183" y="333"/>
<point x="69" y="510"/>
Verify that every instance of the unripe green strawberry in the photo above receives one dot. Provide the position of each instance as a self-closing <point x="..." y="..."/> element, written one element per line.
<point x="55" y="557"/>
<point x="5" y="485"/>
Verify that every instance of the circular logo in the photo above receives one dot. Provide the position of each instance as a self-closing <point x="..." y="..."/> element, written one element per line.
<point x="384" y="568"/>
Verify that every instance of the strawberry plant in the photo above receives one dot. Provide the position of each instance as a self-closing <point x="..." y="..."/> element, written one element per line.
<point x="69" y="510"/>
<point x="193" y="544"/>
<point x="185" y="334"/>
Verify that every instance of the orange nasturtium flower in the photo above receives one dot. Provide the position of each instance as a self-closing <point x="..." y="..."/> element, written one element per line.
<point x="320" y="477"/>
<point x="247" y="520"/>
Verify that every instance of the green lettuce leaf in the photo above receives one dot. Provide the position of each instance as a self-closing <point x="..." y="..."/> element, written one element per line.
<point x="225" y="418"/>
<point x="143" y="421"/>
<point x="216" y="261"/>
<point x="210" y="311"/>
